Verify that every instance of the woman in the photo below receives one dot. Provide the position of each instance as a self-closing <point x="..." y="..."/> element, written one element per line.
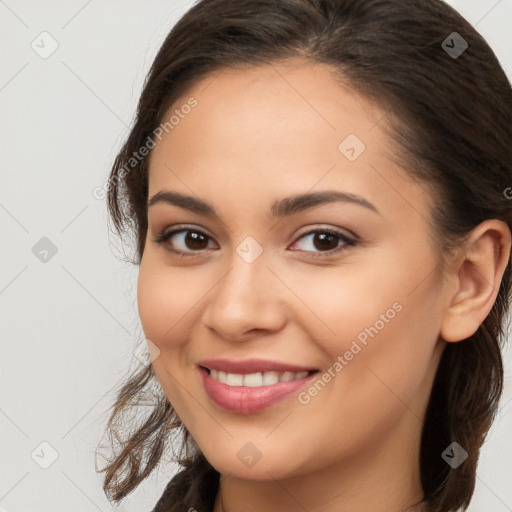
<point x="318" y="193"/>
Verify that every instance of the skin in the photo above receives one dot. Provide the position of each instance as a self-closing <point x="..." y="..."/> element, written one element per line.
<point x="258" y="135"/>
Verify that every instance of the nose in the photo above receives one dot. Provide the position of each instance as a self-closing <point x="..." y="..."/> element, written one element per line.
<point x="246" y="302"/>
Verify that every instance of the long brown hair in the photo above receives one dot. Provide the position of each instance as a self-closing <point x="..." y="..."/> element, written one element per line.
<point x="451" y="116"/>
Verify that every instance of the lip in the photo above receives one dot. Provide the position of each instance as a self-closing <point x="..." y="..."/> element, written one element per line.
<point x="249" y="400"/>
<point x="251" y="366"/>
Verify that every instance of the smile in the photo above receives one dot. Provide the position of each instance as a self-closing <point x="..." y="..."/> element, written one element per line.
<point x="238" y="386"/>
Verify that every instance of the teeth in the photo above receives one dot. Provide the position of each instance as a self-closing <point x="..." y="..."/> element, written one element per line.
<point x="253" y="380"/>
<point x="233" y="379"/>
<point x="270" y="378"/>
<point x="287" y="376"/>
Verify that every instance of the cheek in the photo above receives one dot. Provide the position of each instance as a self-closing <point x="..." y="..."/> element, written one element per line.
<point x="385" y="330"/>
<point x="346" y="304"/>
<point x="165" y="300"/>
<point x="153" y="300"/>
<point x="394" y="297"/>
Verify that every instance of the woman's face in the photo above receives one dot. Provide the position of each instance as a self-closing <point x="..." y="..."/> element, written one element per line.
<point x="361" y="301"/>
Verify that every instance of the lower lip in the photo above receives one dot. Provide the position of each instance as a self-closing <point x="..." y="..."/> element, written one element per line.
<point x="246" y="400"/>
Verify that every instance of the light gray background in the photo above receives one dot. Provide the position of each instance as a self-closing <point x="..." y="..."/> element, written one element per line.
<point x="70" y="324"/>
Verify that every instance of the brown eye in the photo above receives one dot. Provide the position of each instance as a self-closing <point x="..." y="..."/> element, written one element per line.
<point x="184" y="241"/>
<point x="325" y="241"/>
<point x="195" y="240"/>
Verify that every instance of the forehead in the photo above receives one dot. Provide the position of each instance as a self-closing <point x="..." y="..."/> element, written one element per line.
<point x="292" y="98"/>
<point x="289" y="126"/>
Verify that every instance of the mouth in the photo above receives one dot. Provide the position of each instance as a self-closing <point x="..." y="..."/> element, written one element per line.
<point x="250" y="386"/>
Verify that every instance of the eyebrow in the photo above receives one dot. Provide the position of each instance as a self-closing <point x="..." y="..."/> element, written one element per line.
<point x="280" y="208"/>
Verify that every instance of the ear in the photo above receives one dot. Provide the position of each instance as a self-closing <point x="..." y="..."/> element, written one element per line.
<point x="477" y="277"/>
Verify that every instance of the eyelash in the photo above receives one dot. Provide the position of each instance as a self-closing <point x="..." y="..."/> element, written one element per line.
<point x="348" y="242"/>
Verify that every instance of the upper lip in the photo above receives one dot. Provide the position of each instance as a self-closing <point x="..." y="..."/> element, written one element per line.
<point x="246" y="366"/>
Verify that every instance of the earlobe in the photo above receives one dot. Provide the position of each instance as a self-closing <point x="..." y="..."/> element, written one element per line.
<point x="479" y="272"/>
